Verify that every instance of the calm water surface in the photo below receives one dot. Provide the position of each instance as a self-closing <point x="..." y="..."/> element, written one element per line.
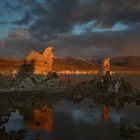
<point x="68" y="121"/>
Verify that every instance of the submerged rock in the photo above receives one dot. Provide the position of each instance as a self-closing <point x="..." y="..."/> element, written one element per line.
<point x="12" y="135"/>
<point x="121" y="87"/>
<point x="77" y="97"/>
<point x="128" y="128"/>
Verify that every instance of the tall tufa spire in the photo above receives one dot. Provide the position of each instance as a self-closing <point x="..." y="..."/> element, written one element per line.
<point x="42" y="62"/>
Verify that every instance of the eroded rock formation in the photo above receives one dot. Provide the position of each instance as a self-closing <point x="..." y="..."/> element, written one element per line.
<point x="42" y="63"/>
<point x="106" y="65"/>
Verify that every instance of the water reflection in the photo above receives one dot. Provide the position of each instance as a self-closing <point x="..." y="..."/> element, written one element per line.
<point x="68" y="121"/>
<point x="42" y="119"/>
<point x="105" y="113"/>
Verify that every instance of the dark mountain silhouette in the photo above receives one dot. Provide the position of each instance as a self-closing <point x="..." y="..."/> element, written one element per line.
<point x="60" y="64"/>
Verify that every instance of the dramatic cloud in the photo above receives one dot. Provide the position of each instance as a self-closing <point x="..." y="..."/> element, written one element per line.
<point x="74" y="27"/>
<point x="52" y="17"/>
<point x="100" y="43"/>
<point x="61" y="15"/>
<point x="19" y="43"/>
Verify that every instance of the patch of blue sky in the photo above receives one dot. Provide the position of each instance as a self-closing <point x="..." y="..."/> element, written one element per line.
<point x="83" y="2"/>
<point x="42" y="1"/>
<point x="89" y="26"/>
<point x="5" y="29"/>
<point x="117" y="27"/>
<point x="8" y="16"/>
<point x="81" y="28"/>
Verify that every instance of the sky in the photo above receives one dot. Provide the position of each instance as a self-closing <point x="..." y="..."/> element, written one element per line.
<point x="75" y="28"/>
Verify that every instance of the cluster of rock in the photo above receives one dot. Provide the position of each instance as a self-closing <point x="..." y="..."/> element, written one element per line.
<point x="121" y="87"/>
<point x="35" y="83"/>
<point x="36" y="75"/>
<point x="12" y="135"/>
<point x="26" y="81"/>
<point x="105" y="86"/>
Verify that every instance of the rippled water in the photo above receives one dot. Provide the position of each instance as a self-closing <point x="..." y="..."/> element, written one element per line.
<point x="80" y="121"/>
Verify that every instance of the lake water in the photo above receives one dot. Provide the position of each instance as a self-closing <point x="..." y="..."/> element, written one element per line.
<point x="69" y="121"/>
<point x="81" y="121"/>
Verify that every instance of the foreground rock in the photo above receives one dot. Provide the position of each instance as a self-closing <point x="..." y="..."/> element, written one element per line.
<point x="27" y="81"/>
<point x="12" y="135"/>
<point x="103" y="85"/>
<point x="128" y="128"/>
<point x="28" y="91"/>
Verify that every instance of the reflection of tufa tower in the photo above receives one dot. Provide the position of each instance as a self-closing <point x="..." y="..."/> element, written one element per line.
<point x="43" y="117"/>
<point x="105" y="113"/>
<point x="42" y="63"/>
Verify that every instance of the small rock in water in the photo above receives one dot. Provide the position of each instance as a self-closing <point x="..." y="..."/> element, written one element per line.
<point x="128" y="128"/>
<point x="77" y="97"/>
<point x="90" y="106"/>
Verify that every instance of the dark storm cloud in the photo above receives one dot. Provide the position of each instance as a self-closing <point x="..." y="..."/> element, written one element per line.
<point x="108" y="12"/>
<point x="19" y="43"/>
<point x="53" y="20"/>
<point x="59" y="16"/>
<point x="53" y="17"/>
<point x="100" y="44"/>
<point x="19" y="48"/>
<point x="25" y="20"/>
<point x="89" y="44"/>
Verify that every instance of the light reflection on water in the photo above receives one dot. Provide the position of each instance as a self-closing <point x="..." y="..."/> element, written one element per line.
<point x="66" y="120"/>
<point x="42" y="119"/>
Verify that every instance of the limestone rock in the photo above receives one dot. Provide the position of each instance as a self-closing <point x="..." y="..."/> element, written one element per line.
<point x="127" y="127"/>
<point x="106" y="65"/>
<point x="120" y="86"/>
<point x="37" y="82"/>
<point x="42" y="63"/>
<point x="77" y="97"/>
<point x="26" y="85"/>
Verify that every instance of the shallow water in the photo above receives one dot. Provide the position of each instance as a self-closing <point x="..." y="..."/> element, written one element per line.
<point x="80" y="121"/>
<point x="86" y="120"/>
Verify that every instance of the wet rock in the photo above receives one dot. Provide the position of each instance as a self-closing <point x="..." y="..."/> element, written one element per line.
<point x="122" y="88"/>
<point x="26" y="70"/>
<point x="137" y="101"/>
<point x="90" y="106"/>
<point x="25" y="83"/>
<point x="77" y="97"/>
<point x="128" y="128"/>
<point x="13" y="135"/>
<point x="103" y="80"/>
